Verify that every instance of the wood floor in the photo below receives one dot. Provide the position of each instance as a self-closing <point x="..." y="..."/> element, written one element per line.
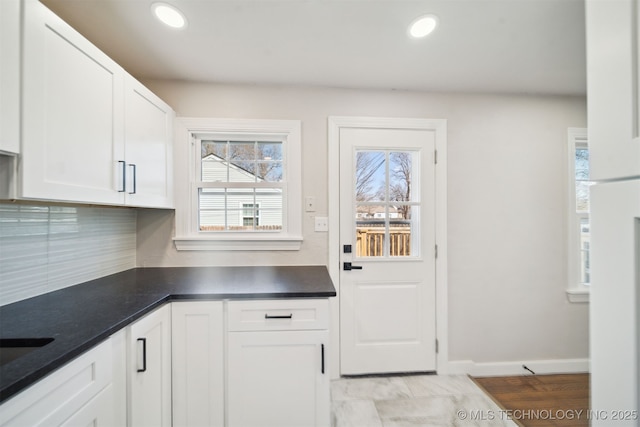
<point x="541" y="400"/>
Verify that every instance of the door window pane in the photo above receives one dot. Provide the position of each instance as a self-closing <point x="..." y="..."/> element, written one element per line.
<point x="370" y="176"/>
<point x="400" y="182"/>
<point x="401" y="233"/>
<point x="371" y="230"/>
<point x="386" y="203"/>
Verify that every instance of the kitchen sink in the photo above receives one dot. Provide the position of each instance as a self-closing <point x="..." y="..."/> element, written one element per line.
<point x="13" y="348"/>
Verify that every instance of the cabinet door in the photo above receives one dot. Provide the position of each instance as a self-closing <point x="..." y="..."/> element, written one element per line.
<point x="278" y="379"/>
<point x="197" y="363"/>
<point x="613" y="67"/>
<point x="148" y="147"/>
<point x="72" y="136"/>
<point x="9" y="76"/>
<point x="150" y="370"/>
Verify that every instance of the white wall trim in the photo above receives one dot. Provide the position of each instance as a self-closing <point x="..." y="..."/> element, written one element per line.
<point x="439" y="126"/>
<point x="490" y="369"/>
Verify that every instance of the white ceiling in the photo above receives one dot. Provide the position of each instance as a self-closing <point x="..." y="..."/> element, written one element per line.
<point x="503" y="46"/>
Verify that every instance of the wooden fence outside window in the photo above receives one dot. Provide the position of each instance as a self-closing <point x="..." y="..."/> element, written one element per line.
<point x="370" y="240"/>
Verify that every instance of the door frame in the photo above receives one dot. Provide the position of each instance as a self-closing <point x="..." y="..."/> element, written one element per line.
<point x="439" y="126"/>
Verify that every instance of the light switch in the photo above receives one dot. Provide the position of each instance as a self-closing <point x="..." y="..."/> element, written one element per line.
<point x="322" y="223"/>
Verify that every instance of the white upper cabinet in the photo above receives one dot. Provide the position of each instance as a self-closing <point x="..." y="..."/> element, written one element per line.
<point x="72" y="104"/>
<point x="90" y="132"/>
<point x="613" y="88"/>
<point x="9" y="76"/>
<point x="148" y="129"/>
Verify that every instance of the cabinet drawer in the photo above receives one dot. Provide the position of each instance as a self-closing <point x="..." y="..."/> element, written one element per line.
<point x="55" y="398"/>
<point x="278" y="315"/>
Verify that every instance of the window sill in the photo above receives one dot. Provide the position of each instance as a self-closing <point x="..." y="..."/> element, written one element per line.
<point x="578" y="295"/>
<point x="248" y="243"/>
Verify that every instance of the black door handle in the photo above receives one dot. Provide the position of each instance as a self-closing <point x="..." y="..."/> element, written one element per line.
<point x="347" y="266"/>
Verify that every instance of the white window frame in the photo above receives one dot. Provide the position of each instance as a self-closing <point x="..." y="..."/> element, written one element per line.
<point x="576" y="290"/>
<point x="188" y="236"/>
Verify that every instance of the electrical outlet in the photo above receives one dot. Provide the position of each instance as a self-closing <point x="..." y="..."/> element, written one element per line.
<point x="310" y="204"/>
<point x="322" y="223"/>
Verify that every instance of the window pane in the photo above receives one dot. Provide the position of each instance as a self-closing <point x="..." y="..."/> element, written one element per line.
<point x="215" y="148"/>
<point x="400" y="173"/>
<point x="582" y="196"/>
<point x="582" y="164"/>
<point x="213" y="166"/>
<point x="400" y="232"/>
<point x="269" y="151"/>
<point x="585" y="240"/>
<point x="269" y="171"/>
<point x="370" y="230"/>
<point x="370" y="176"/>
<point x="270" y="202"/>
<point x="582" y="179"/>
<point x="212" y="209"/>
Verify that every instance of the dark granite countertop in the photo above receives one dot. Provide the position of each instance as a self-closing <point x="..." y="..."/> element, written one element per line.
<point x="81" y="316"/>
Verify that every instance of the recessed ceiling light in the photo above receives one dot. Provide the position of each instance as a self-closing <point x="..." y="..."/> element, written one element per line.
<point x="169" y="15"/>
<point x="423" y="26"/>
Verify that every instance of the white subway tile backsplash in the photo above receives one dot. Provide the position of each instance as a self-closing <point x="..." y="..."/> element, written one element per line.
<point x="44" y="248"/>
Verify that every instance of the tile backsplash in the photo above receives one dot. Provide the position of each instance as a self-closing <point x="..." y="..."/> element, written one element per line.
<point x="44" y="248"/>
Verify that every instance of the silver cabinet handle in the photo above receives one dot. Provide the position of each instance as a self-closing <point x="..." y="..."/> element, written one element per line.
<point x="134" y="178"/>
<point x="124" y="176"/>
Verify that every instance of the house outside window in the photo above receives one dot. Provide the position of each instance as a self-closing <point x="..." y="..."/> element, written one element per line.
<point x="579" y="236"/>
<point x="235" y="178"/>
<point x="251" y="216"/>
<point x="244" y="185"/>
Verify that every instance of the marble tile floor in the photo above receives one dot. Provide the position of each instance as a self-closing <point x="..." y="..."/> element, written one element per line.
<point x="413" y="401"/>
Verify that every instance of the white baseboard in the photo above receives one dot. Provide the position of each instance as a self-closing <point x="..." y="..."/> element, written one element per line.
<point x="492" y="369"/>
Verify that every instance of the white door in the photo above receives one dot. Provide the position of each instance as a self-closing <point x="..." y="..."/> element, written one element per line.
<point x="387" y="233"/>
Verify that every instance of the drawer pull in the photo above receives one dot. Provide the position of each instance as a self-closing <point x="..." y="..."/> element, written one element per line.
<point x="322" y="358"/>
<point x="288" y="316"/>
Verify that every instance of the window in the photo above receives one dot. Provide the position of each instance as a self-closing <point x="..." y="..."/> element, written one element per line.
<point x="578" y="221"/>
<point x="235" y="177"/>
<point x="243" y="185"/>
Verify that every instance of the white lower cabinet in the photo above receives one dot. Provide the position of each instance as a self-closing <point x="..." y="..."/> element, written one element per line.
<point x="260" y="363"/>
<point x="78" y="394"/>
<point x="149" y="375"/>
<point x="198" y="363"/>
<point x="277" y="379"/>
<point x="277" y="372"/>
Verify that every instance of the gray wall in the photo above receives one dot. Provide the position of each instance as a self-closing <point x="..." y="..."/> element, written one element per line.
<point x="507" y="158"/>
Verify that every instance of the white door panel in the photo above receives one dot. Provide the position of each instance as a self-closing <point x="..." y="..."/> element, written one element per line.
<point x="387" y="216"/>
